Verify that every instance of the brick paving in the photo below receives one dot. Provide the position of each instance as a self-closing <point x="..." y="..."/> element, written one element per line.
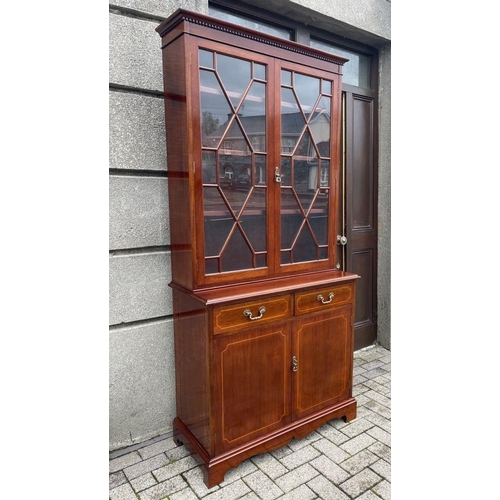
<point x="339" y="461"/>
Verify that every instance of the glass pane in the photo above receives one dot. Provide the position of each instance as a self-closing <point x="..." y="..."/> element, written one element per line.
<point x="307" y="89"/>
<point x="292" y="121"/>
<point x="235" y="141"/>
<point x="286" y="77"/>
<point x="318" y="218"/>
<point x="305" y="248"/>
<point x="305" y="182"/>
<point x="237" y="254"/>
<point x="356" y="71"/>
<point x="206" y="58"/>
<point x="215" y="109"/>
<point x="235" y="75"/>
<point x="209" y="167"/>
<point x="260" y="170"/>
<point x="236" y="179"/>
<point x="326" y="87"/>
<point x="218" y="221"/>
<point x="259" y="71"/>
<point x="248" y="22"/>
<point x="320" y="126"/>
<point x="253" y="116"/>
<point x="286" y="172"/>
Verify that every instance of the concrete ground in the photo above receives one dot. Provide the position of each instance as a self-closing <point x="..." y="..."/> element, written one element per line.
<point x="338" y="461"/>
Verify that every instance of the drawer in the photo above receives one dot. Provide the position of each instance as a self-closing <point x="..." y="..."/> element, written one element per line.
<point x="320" y="299"/>
<point x="251" y="313"/>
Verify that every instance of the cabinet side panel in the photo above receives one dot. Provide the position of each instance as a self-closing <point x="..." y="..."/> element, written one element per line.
<point x="176" y="111"/>
<point x="192" y="366"/>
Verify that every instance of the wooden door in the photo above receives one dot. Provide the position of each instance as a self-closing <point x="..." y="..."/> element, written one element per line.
<point x="252" y="384"/>
<point x="359" y="208"/>
<point x="322" y="359"/>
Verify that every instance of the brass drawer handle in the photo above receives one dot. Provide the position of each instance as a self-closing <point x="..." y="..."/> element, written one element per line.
<point x="248" y="313"/>
<point x="322" y="299"/>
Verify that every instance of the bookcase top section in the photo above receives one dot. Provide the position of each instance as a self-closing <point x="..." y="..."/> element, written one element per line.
<point x="185" y="21"/>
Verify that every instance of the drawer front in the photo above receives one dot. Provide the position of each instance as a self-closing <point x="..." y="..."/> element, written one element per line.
<point x="251" y="313"/>
<point x="324" y="298"/>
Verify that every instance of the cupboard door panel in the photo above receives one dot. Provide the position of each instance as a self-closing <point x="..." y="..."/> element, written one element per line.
<point x="252" y="385"/>
<point x="323" y="352"/>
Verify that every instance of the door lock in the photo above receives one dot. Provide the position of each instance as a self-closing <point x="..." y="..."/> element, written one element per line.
<point x="342" y="240"/>
<point x="277" y="175"/>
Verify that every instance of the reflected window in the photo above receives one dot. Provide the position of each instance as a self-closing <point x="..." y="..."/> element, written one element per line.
<point x="248" y="22"/>
<point x="356" y="71"/>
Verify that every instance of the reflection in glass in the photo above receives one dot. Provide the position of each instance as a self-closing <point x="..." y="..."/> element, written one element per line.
<point x="356" y="71"/>
<point x="305" y="135"/>
<point x="235" y="75"/>
<point x="206" y="58"/>
<point x="307" y="89"/>
<point x="242" y="20"/>
<point x="234" y="163"/>
<point x="259" y="71"/>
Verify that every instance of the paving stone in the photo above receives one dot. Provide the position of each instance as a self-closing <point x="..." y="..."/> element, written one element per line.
<point x="194" y="477"/>
<point x="175" y="468"/>
<point x="358" y="443"/>
<point x="377" y="408"/>
<point x="177" y="453"/>
<point x="380" y="435"/>
<point x="358" y="370"/>
<point x="379" y="398"/>
<point x="146" y="466"/>
<point x="186" y="494"/>
<point x="262" y="486"/>
<point x="359" y="386"/>
<point x="386" y="366"/>
<point x="361" y="482"/>
<point x="329" y="469"/>
<point x="359" y="461"/>
<point x="143" y="482"/>
<point x="123" y="492"/>
<point x="381" y="450"/>
<point x="357" y="427"/>
<point x="116" y="479"/>
<point x="245" y="468"/>
<point x="338" y="423"/>
<point x="370" y="374"/>
<point x="332" y="451"/>
<point x="332" y="434"/>
<point x="157" y="448"/>
<point x="298" y="476"/>
<point x="382" y="468"/>
<point x="364" y="412"/>
<point x="369" y="355"/>
<point x="250" y="496"/>
<point x="300" y="493"/>
<point x="326" y="489"/>
<point x="380" y="421"/>
<point x="281" y="452"/>
<point x="373" y="364"/>
<point x="161" y="490"/>
<point x="368" y="495"/>
<point x="269" y="465"/>
<point x="383" y="489"/>
<point x="362" y="399"/>
<point x="376" y="386"/>
<point x="296" y="444"/>
<point x="234" y="490"/>
<point x="300" y="457"/>
<point x="124" y="461"/>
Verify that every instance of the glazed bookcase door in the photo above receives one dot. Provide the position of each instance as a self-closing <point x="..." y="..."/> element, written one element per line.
<point x="308" y="136"/>
<point x="234" y="95"/>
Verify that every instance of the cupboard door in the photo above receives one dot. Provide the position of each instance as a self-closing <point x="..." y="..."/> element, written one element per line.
<point x="233" y="100"/>
<point x="252" y="385"/>
<point x="308" y="167"/>
<point x="322" y="350"/>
